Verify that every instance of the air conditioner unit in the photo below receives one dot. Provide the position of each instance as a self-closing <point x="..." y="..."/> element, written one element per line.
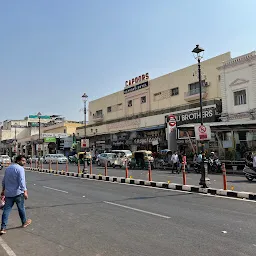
<point x="206" y="84"/>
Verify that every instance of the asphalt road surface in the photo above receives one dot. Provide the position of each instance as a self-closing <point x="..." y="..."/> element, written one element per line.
<point x="235" y="182"/>
<point x="93" y="218"/>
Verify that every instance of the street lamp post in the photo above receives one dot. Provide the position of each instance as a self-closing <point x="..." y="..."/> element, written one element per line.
<point x="84" y="98"/>
<point x="39" y="133"/>
<point x="198" y="54"/>
<point x="15" y="137"/>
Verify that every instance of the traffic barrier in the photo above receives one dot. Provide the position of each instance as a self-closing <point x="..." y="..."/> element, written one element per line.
<point x="50" y="165"/>
<point x="67" y="166"/>
<point x="184" y="170"/>
<point x="224" y="173"/>
<point x="126" y="169"/>
<point x="106" y="168"/>
<point x="78" y="166"/>
<point x="91" y="166"/>
<point x="149" y="172"/>
<point x="57" y="165"/>
<point x="30" y="163"/>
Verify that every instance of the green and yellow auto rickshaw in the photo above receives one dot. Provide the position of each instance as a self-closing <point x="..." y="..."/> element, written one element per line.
<point x="141" y="159"/>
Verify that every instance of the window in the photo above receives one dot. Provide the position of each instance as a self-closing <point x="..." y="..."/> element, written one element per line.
<point x="99" y="113"/>
<point x="240" y="97"/>
<point x="175" y="91"/>
<point x="143" y="99"/>
<point x="65" y="130"/>
<point x="129" y="103"/>
<point x="109" y="109"/>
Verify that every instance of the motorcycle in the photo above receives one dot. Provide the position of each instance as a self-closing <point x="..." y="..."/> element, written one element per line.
<point x="214" y="165"/>
<point x="197" y="167"/>
<point x="249" y="173"/>
<point x="1" y="166"/>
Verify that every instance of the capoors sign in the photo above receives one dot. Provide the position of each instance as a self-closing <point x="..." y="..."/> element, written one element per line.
<point x="209" y="115"/>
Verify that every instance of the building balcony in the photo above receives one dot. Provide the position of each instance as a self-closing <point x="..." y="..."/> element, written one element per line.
<point x="194" y="94"/>
<point x="98" y="118"/>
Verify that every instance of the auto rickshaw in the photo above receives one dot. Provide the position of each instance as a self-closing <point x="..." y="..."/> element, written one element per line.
<point x="141" y="159"/>
<point x="84" y="156"/>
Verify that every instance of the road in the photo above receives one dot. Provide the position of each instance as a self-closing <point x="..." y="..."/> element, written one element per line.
<point x="235" y="182"/>
<point x="87" y="217"/>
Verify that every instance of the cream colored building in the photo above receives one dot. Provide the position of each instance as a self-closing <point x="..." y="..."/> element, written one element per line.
<point x="144" y="105"/>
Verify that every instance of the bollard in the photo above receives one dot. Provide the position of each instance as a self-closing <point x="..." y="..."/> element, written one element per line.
<point x="42" y="165"/>
<point x="149" y="172"/>
<point x="30" y="163"/>
<point x="224" y="172"/>
<point x="91" y="166"/>
<point x="106" y="168"/>
<point x="50" y="165"/>
<point x="184" y="171"/>
<point x="35" y="163"/>
<point x="57" y="165"/>
<point x="78" y="166"/>
<point x="67" y="166"/>
<point x="126" y="169"/>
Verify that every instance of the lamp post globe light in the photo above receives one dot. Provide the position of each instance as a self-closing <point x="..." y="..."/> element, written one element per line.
<point x="198" y="55"/>
<point x="84" y="98"/>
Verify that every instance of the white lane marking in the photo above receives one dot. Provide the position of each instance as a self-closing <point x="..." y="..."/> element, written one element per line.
<point x="137" y="210"/>
<point x="179" y="191"/>
<point x="55" y="189"/>
<point x="6" y="247"/>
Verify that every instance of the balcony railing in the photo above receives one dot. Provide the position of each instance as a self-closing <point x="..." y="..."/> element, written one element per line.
<point x="98" y="118"/>
<point x="195" y="94"/>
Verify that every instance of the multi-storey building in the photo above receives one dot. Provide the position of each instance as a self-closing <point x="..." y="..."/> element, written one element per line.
<point x="134" y="117"/>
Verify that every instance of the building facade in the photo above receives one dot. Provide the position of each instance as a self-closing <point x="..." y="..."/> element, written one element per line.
<point x="134" y="117"/>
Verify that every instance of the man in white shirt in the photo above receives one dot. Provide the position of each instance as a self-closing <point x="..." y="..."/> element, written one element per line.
<point x="175" y="161"/>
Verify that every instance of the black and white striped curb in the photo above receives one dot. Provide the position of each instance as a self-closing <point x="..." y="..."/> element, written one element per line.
<point x="172" y="186"/>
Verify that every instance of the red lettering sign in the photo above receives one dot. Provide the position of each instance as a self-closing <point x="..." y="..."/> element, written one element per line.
<point x="137" y="79"/>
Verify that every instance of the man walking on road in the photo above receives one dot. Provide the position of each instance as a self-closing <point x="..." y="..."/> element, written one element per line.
<point x="15" y="191"/>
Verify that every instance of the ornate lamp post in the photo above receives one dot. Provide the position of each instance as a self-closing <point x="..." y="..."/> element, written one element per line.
<point x="198" y="54"/>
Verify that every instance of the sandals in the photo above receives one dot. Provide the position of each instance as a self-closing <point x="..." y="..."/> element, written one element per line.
<point x="27" y="223"/>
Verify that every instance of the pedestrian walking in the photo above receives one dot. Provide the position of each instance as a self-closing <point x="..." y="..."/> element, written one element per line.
<point x="15" y="191"/>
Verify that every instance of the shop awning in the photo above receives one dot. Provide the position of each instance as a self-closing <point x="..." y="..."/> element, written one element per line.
<point x="230" y="123"/>
<point x="156" y="127"/>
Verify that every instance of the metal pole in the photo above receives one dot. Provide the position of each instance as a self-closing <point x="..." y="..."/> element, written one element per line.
<point x="85" y="160"/>
<point x="39" y="136"/>
<point x="203" y="174"/>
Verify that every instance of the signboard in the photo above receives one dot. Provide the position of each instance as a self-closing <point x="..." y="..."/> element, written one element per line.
<point x="172" y="122"/>
<point x="136" y="87"/>
<point x="203" y="132"/>
<point x="41" y="117"/>
<point x="84" y="143"/>
<point x="209" y="115"/>
<point x="137" y="79"/>
<point x="50" y="139"/>
<point x="54" y="135"/>
<point x="67" y="142"/>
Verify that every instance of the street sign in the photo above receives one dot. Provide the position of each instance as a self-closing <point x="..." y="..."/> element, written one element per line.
<point x="203" y="132"/>
<point x="172" y="121"/>
<point x="84" y="143"/>
<point x="54" y="135"/>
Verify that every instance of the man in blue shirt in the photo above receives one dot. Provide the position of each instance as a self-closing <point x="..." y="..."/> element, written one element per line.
<point x="15" y="191"/>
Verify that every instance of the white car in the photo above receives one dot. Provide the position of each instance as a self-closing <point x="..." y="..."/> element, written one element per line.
<point x="61" y="159"/>
<point x="54" y="158"/>
<point x="5" y="159"/>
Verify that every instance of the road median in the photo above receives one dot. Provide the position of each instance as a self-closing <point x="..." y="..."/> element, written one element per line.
<point x="163" y="185"/>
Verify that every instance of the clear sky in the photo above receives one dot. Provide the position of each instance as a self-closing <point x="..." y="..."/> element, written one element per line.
<point x="52" y="51"/>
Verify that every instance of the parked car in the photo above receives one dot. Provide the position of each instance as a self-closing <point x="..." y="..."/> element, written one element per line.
<point x="61" y="159"/>
<point x="109" y="158"/>
<point x="54" y="158"/>
<point x="5" y="159"/>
